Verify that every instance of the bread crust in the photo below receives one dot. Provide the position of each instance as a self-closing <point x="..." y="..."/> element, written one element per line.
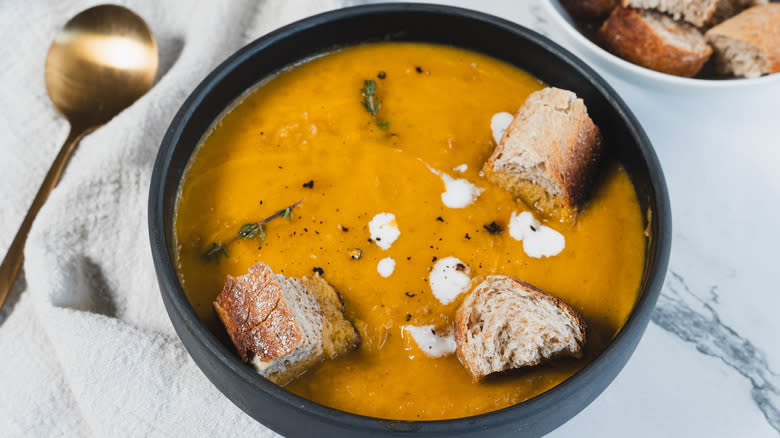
<point x="282" y="326"/>
<point x="566" y="141"/>
<point x="463" y="315"/>
<point x="628" y="34"/>
<point x="698" y="16"/>
<point x="700" y="13"/>
<point x="257" y="318"/>
<point x="759" y="27"/>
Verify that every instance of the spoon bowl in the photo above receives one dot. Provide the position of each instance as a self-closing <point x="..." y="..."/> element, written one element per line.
<point x="101" y="61"/>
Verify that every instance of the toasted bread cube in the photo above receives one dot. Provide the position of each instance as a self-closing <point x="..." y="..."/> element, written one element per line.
<point x="697" y="12"/>
<point x="506" y="323"/>
<point x="283" y="326"/>
<point x="655" y="41"/>
<point x="749" y="44"/>
<point x="549" y="155"/>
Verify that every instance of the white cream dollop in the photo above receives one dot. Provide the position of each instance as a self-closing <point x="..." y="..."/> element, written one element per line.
<point x="498" y="124"/>
<point x="429" y="342"/>
<point x="385" y="267"/>
<point x="384" y="230"/>
<point x="449" y="278"/>
<point x="462" y="168"/>
<point x="538" y="240"/>
<point x="458" y="193"/>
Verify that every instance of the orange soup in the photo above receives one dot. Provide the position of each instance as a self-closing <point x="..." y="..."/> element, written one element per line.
<point x="305" y="135"/>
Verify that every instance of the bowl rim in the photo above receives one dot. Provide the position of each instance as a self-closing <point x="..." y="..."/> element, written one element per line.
<point x="554" y="8"/>
<point x="171" y="288"/>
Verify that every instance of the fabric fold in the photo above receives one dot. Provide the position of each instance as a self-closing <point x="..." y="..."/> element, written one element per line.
<point x="101" y="350"/>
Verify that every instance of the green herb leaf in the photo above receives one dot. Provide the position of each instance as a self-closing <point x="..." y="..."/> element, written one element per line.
<point x="249" y="231"/>
<point x="370" y="102"/>
<point x="383" y="125"/>
<point x="284" y="213"/>
<point x="215" y="250"/>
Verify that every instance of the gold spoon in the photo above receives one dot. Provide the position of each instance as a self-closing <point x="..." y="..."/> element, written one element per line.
<point x="101" y="61"/>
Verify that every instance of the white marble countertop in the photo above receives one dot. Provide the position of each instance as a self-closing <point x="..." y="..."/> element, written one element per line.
<point x="709" y="361"/>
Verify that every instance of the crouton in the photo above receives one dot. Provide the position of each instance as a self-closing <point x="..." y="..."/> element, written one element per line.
<point x="282" y="326"/>
<point x="506" y="323"/>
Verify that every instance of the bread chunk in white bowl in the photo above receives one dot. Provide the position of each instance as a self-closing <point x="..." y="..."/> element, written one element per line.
<point x="571" y="32"/>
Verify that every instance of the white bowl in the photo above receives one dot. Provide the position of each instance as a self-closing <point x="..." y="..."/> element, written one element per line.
<point x="640" y="76"/>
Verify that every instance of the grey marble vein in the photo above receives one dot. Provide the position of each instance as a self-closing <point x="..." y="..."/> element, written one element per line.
<point x="693" y="319"/>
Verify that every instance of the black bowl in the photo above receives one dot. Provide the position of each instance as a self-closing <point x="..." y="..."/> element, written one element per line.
<point x="292" y="415"/>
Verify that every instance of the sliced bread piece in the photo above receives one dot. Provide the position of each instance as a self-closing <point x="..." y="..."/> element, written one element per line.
<point x="697" y="12"/>
<point x="549" y="155"/>
<point x="655" y="41"/>
<point x="589" y="9"/>
<point x="749" y="44"/>
<point x="506" y="323"/>
<point x="283" y="326"/>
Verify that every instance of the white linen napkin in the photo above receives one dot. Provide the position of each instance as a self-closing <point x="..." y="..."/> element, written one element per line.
<point x="85" y="345"/>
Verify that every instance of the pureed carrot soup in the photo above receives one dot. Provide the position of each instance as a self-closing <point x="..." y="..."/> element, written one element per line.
<point x="306" y="135"/>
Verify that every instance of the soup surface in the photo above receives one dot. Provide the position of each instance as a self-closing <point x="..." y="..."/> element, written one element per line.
<point x="304" y="135"/>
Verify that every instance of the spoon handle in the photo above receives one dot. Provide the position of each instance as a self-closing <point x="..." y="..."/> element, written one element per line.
<point x="12" y="262"/>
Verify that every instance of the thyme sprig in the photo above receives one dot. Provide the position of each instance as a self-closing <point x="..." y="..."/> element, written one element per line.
<point x="371" y="103"/>
<point x="248" y="231"/>
<point x="215" y="250"/>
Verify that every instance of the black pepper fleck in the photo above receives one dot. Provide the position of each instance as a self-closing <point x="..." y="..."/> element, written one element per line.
<point x="382" y="75"/>
<point x="440" y="219"/>
<point x="309" y="185"/>
<point x="533" y="228"/>
<point x="418" y="69"/>
<point x="318" y="270"/>
<point x="467" y="236"/>
<point x="460" y="267"/>
<point x="410" y="294"/>
<point x="434" y="258"/>
<point x="408" y="316"/>
<point x="493" y="228"/>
